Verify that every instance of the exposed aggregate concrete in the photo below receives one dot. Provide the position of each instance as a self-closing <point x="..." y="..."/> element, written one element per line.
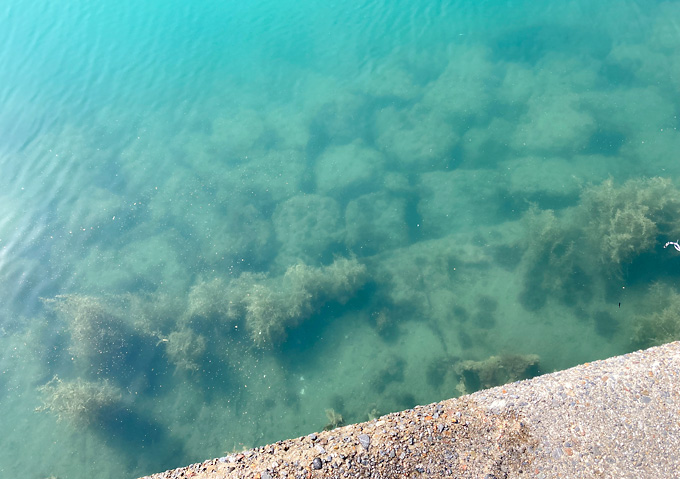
<point x="614" y="418"/>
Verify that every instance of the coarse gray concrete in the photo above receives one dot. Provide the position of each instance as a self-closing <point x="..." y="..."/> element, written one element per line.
<point x="617" y="418"/>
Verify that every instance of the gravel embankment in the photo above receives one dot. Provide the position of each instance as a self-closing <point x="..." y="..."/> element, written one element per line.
<point x="614" y="418"/>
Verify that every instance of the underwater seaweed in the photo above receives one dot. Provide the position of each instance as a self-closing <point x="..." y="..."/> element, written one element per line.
<point x="98" y="335"/>
<point x="273" y="305"/>
<point x="663" y="325"/>
<point x="572" y="254"/>
<point x="268" y="313"/>
<point x="495" y="371"/>
<point x="335" y="420"/>
<point x="623" y="222"/>
<point x="109" y="335"/>
<point x="209" y="299"/>
<point x="556" y="263"/>
<point x="184" y="349"/>
<point x="79" y="402"/>
<point x="148" y="313"/>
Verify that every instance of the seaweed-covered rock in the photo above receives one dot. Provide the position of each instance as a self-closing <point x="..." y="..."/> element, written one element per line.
<point x="233" y="232"/>
<point x="351" y="168"/>
<point x="376" y="222"/>
<point x="142" y="264"/>
<point x="554" y="122"/>
<point x="463" y="89"/>
<point x="309" y="227"/>
<point x="456" y="200"/>
<point x="394" y="76"/>
<point x="416" y="138"/>
<point x="237" y="133"/>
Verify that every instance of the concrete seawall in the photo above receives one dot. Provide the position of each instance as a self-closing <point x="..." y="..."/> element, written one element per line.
<point x="619" y="417"/>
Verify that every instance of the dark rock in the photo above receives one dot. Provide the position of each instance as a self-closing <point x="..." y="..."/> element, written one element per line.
<point x="317" y="464"/>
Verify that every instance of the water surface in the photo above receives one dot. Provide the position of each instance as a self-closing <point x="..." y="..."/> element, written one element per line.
<point x="223" y="223"/>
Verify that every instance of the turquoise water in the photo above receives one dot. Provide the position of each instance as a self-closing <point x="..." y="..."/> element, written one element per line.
<point x="226" y="223"/>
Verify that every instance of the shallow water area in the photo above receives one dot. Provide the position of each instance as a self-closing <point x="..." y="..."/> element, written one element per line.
<point x="223" y="225"/>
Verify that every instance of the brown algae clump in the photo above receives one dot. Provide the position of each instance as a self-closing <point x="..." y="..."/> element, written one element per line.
<point x="570" y="255"/>
<point x="495" y="371"/>
<point x="273" y="305"/>
<point x="334" y="418"/>
<point x="210" y="299"/>
<point x="99" y="337"/>
<point x="662" y="326"/>
<point x="184" y="349"/>
<point x="79" y="402"/>
<point x="625" y="221"/>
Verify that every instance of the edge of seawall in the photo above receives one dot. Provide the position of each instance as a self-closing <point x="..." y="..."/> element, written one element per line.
<point x="618" y="417"/>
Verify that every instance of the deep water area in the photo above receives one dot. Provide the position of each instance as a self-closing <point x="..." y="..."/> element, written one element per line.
<point x="223" y="224"/>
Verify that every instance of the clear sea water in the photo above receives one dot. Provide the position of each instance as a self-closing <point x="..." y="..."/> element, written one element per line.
<point x="220" y="221"/>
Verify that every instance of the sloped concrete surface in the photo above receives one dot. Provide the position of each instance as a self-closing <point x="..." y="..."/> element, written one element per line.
<point x="617" y="418"/>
